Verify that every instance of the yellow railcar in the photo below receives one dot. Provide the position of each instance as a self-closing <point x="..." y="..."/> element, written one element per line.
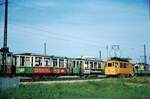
<point x="118" y="67"/>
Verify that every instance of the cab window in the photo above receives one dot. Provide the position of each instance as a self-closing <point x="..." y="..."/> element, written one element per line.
<point x="126" y="65"/>
<point x="121" y="65"/>
<point x="109" y="64"/>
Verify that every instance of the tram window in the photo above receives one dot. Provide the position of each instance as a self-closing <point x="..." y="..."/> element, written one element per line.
<point x="91" y="64"/>
<point x="116" y="63"/>
<point x="17" y="61"/>
<point x="99" y="65"/>
<point x="73" y="63"/>
<point x="109" y="64"/>
<point x="27" y="58"/>
<point x="41" y="61"/>
<point x="77" y="63"/>
<point x="125" y="65"/>
<point x="54" y="62"/>
<point x="27" y="61"/>
<point x="69" y="63"/>
<point x="113" y="64"/>
<point x="86" y="62"/>
<point x="37" y="59"/>
<point x="65" y="63"/>
<point x="37" y="65"/>
<point x="61" y="63"/>
<point x="46" y="62"/>
<point x="95" y="64"/>
<point x="32" y="61"/>
<point x="80" y="63"/>
<point x="121" y="65"/>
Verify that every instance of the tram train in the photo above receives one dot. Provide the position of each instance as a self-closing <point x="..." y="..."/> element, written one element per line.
<point x="33" y="64"/>
<point x="30" y="65"/>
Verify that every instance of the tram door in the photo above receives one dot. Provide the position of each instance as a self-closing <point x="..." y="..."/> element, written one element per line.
<point x="22" y="60"/>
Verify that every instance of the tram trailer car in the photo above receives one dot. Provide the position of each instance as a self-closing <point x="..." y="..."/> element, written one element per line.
<point x="28" y="64"/>
<point x="87" y="66"/>
<point x="10" y="63"/>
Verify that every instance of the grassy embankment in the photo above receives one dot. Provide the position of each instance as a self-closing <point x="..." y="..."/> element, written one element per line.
<point x="127" y="88"/>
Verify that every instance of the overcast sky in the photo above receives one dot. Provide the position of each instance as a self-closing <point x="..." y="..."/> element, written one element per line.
<point x="77" y="27"/>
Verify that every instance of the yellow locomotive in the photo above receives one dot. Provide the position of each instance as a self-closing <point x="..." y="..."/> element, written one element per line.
<point x="118" y="67"/>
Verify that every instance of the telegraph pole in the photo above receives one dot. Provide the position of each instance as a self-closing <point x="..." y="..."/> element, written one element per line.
<point x="145" y="61"/>
<point x="107" y="51"/>
<point x="5" y="48"/>
<point x="149" y="8"/>
<point x="45" y="48"/>
<point x="100" y="55"/>
<point x="5" y="24"/>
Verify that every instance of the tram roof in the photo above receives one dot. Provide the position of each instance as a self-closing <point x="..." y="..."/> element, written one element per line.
<point x="119" y="59"/>
<point x="39" y="55"/>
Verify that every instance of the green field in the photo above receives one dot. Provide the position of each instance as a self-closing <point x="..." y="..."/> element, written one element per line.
<point x="112" y="88"/>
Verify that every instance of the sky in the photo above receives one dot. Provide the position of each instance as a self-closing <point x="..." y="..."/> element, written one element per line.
<point x="78" y="27"/>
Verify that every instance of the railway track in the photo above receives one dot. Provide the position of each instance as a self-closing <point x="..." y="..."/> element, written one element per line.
<point x="60" y="81"/>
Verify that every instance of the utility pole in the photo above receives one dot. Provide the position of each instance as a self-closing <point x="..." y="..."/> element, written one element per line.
<point x="5" y="24"/>
<point x="149" y="8"/>
<point x="5" y="48"/>
<point x="145" y="60"/>
<point x="45" y="48"/>
<point x="100" y="55"/>
<point x="107" y="51"/>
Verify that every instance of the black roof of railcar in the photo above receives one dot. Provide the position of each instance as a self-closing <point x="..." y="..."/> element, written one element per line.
<point x="119" y="59"/>
<point x="55" y="57"/>
<point x="40" y="55"/>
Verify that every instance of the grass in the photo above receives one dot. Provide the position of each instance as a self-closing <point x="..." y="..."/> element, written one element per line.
<point x="112" y="88"/>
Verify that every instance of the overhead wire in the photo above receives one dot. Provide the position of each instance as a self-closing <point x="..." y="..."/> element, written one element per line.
<point x="31" y="31"/>
<point x="60" y="34"/>
<point x="45" y="34"/>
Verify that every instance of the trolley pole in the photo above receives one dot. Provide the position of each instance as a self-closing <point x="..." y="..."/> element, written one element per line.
<point x="5" y="49"/>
